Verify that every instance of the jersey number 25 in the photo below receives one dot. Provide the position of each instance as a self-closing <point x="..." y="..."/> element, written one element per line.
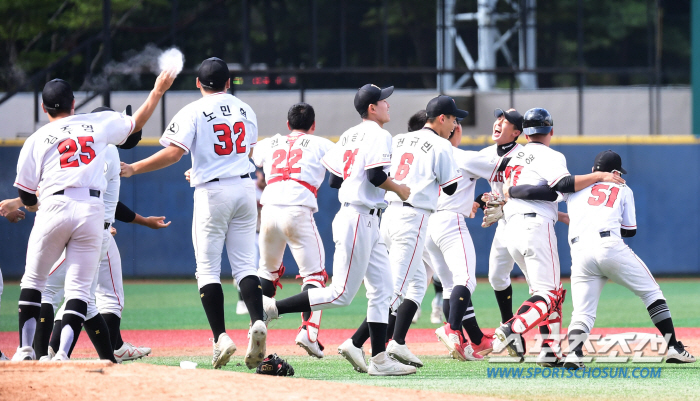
<point x="225" y="138"/>
<point x="599" y="196"/>
<point x="68" y="148"/>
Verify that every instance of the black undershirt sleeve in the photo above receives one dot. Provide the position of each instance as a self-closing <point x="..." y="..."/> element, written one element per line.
<point x="481" y="203"/>
<point x="123" y="213"/>
<point x="533" y="192"/>
<point x="27" y="198"/>
<point x="504" y="163"/>
<point x="334" y="181"/>
<point x="628" y="233"/>
<point x="566" y="185"/>
<point x="376" y="176"/>
<point x="450" y="189"/>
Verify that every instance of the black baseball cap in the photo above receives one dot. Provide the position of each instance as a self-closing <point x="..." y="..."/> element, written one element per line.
<point x="370" y="94"/>
<point x="57" y="94"/>
<point x="608" y="161"/>
<point x="213" y="73"/>
<point x="512" y="116"/>
<point x="444" y="105"/>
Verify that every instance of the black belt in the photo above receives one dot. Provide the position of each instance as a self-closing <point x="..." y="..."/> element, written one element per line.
<point x="216" y="179"/>
<point x="530" y="214"/>
<point x="93" y="192"/>
<point x="407" y="204"/>
<point x="371" y="211"/>
<point x="107" y="225"/>
<point x="603" y="234"/>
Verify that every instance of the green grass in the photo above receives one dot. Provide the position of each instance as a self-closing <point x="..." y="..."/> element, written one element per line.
<point x="447" y="375"/>
<point x="176" y="305"/>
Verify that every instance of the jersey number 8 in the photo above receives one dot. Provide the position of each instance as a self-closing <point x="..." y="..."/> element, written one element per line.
<point x="225" y="138"/>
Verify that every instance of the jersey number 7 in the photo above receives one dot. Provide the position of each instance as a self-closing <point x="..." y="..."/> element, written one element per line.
<point x="599" y="196"/>
<point x="225" y="138"/>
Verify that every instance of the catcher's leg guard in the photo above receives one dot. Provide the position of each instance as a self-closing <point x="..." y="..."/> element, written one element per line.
<point x="530" y="314"/>
<point x="311" y="321"/>
<point x="551" y="327"/>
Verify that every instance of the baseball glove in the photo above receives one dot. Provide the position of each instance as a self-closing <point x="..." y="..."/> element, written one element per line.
<point x="492" y="213"/>
<point x="273" y="365"/>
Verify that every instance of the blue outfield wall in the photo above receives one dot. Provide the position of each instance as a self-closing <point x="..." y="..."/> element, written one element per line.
<point x="666" y="198"/>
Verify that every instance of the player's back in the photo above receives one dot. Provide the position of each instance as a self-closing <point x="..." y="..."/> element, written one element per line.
<point x="219" y="130"/>
<point x="293" y="169"/>
<point x="423" y="161"/>
<point x="463" y="198"/>
<point x="601" y="207"/>
<point x="70" y="152"/>
<point x="360" y="148"/>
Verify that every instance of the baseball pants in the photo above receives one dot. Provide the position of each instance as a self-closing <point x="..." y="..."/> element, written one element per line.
<point x="360" y="254"/>
<point x="403" y="230"/>
<point x="75" y="222"/>
<point x="451" y="251"/>
<point x="594" y="261"/>
<point x="500" y="261"/>
<point x="225" y="212"/>
<point x="293" y="225"/>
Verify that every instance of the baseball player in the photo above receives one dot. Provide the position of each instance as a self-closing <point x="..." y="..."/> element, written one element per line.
<point x="531" y="240"/>
<point x="219" y="130"/>
<point x="66" y="157"/>
<point x="601" y="215"/>
<point x="293" y="172"/>
<point x="357" y="164"/>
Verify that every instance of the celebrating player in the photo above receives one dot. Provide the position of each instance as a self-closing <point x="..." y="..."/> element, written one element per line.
<point x="219" y="130"/>
<point x="293" y="171"/>
<point x="357" y="163"/>
<point x="67" y="157"/>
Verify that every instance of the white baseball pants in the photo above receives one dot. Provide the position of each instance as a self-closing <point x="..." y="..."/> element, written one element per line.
<point x="360" y="254"/>
<point x="225" y="212"/>
<point x="73" y="221"/>
<point x="403" y="230"/>
<point x="293" y="225"/>
<point x="500" y="261"/>
<point x="451" y="251"/>
<point x="109" y="294"/>
<point x="593" y="262"/>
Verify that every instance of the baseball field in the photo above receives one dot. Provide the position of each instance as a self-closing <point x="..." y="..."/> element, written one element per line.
<point x="168" y="317"/>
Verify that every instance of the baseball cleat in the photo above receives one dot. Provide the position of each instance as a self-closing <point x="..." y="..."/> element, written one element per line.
<point x="313" y="348"/>
<point x="549" y="359"/>
<point x="678" y="354"/>
<point x="24" y="354"/>
<point x="384" y="365"/>
<point x="485" y="347"/>
<point x="3" y="357"/>
<point x="223" y="349"/>
<point x="60" y="356"/>
<point x="241" y="308"/>
<point x="269" y="309"/>
<point x="573" y="361"/>
<point x="354" y="355"/>
<point x="459" y="348"/>
<point x="257" y="347"/>
<point x="436" y="313"/>
<point x="128" y="352"/>
<point x="512" y="341"/>
<point x="402" y="354"/>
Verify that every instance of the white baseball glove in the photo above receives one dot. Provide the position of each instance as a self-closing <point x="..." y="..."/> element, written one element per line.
<point x="492" y="213"/>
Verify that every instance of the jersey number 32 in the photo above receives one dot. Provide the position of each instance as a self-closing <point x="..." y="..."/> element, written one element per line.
<point x="225" y="138"/>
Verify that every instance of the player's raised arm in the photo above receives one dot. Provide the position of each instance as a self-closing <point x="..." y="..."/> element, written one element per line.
<point x="163" y="83"/>
<point x="162" y="159"/>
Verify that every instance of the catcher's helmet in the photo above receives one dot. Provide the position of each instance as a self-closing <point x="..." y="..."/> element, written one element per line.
<point x="537" y="121"/>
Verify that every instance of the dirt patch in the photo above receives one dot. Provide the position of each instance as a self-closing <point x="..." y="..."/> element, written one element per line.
<point x="103" y="381"/>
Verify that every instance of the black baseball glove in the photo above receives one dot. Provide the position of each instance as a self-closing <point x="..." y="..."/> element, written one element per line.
<point x="273" y="365"/>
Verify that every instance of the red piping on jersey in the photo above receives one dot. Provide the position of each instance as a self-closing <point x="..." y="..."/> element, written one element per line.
<point x="27" y="188"/>
<point x="628" y="226"/>
<point x="331" y="168"/>
<point x="285" y="175"/>
<point x="172" y="140"/>
<point x="109" y="262"/>
<point x="408" y="269"/>
<point x="454" y="179"/>
<point x="466" y="263"/>
<point x="500" y="160"/>
<point x="349" y="266"/>
<point x="557" y="179"/>
<point x="377" y="164"/>
<point x="56" y="268"/>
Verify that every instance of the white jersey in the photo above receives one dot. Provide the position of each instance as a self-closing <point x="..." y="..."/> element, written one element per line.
<point x="111" y="194"/>
<point x="219" y="130"/>
<point x="423" y="161"/>
<point x="535" y="164"/>
<point x="293" y="169"/>
<point x="463" y="199"/>
<point x="70" y="152"/>
<point x="360" y="148"/>
<point x="603" y="206"/>
<point x="484" y="164"/>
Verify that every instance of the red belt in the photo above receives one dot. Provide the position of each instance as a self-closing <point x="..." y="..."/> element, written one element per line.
<point x="304" y="183"/>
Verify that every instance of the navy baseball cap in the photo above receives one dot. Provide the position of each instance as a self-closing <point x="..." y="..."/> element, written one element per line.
<point x="537" y="121"/>
<point x="608" y="161"/>
<point x="57" y="94"/>
<point x="370" y="94"/>
<point x="444" y="105"/>
<point x="512" y="116"/>
<point x="213" y="73"/>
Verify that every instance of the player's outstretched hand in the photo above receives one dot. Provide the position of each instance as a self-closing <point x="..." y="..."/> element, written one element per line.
<point x="8" y="206"/>
<point x="188" y="174"/>
<point x="156" y="223"/>
<point x="403" y="192"/>
<point x="34" y="208"/>
<point x="127" y="170"/>
<point x="611" y="177"/>
<point x="475" y="207"/>
<point x="164" y="81"/>
<point x="14" y="217"/>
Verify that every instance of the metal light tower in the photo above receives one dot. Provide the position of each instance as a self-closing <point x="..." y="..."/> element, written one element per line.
<point x="490" y="41"/>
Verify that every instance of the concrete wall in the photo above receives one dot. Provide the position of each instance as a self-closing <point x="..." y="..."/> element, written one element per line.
<point x="607" y="111"/>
